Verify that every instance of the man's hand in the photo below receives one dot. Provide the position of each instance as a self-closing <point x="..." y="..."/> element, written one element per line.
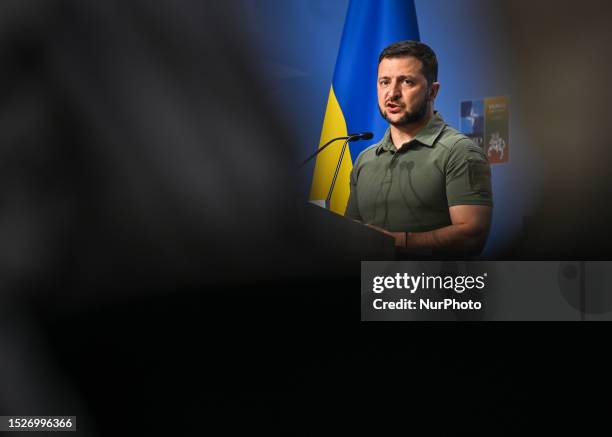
<point x="400" y="237"/>
<point x="467" y="233"/>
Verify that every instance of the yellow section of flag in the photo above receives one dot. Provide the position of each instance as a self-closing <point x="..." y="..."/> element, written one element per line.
<point x="334" y="126"/>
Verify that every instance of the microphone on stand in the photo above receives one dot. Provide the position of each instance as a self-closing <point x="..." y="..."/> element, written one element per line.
<point x="349" y="137"/>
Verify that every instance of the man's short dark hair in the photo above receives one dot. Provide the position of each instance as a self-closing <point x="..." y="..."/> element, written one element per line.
<point x="418" y="50"/>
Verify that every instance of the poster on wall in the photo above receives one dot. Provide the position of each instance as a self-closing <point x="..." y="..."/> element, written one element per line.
<point x="486" y="122"/>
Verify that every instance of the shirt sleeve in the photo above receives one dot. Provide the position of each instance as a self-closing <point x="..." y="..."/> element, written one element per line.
<point x="352" y="207"/>
<point x="468" y="175"/>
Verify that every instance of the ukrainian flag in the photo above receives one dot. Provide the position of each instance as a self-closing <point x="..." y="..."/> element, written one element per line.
<point x="369" y="27"/>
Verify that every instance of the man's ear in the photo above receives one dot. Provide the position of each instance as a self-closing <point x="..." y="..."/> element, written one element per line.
<point x="433" y="92"/>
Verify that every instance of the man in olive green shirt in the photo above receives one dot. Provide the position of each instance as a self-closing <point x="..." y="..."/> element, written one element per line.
<point x="424" y="183"/>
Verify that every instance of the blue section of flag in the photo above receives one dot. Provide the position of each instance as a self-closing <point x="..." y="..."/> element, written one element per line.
<point x="369" y="27"/>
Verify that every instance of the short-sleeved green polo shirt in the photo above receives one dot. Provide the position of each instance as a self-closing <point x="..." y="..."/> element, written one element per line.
<point x="411" y="188"/>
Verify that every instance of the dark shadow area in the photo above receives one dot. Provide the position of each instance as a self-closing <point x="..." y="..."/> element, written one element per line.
<point x="560" y="54"/>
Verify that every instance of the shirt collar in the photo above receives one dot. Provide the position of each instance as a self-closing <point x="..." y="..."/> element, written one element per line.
<point x="426" y="136"/>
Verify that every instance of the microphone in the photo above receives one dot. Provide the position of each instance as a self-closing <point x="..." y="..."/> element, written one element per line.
<point x="349" y="137"/>
<point x="361" y="136"/>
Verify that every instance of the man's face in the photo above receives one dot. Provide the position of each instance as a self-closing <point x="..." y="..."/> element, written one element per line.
<point x="403" y="93"/>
